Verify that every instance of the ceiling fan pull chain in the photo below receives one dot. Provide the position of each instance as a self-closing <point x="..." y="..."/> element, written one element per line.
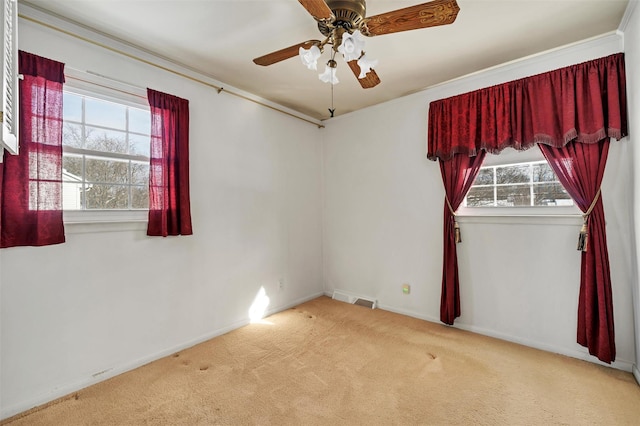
<point x="332" y="109"/>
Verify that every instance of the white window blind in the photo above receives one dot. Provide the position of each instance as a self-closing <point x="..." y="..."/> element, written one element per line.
<point x="10" y="77"/>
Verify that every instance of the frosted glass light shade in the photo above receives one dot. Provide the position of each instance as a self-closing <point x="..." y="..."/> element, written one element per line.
<point x="365" y="65"/>
<point x="329" y="75"/>
<point x="309" y="57"/>
<point x="352" y="45"/>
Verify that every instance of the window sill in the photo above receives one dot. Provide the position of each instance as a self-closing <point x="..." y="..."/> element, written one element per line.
<point x="522" y="219"/>
<point x="81" y="222"/>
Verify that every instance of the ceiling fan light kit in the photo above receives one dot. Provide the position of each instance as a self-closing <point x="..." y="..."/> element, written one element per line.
<point x="351" y="48"/>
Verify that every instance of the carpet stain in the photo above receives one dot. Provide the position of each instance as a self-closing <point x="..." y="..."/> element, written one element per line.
<point x="204" y="368"/>
<point x="307" y="314"/>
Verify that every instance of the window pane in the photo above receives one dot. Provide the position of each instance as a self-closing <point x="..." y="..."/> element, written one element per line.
<point x="140" y="173"/>
<point x="44" y="195"/>
<point x="107" y="114"/>
<point x="543" y="173"/>
<point x="72" y="135"/>
<point x="107" y="171"/>
<point x="551" y="194"/>
<point x="140" y="145"/>
<point x="513" y="195"/>
<point x="139" y="121"/>
<point x="480" y="196"/>
<point x="513" y="174"/>
<point x="71" y="196"/>
<point x="107" y="197"/>
<point x="140" y="197"/>
<point x="71" y="168"/>
<point x="106" y="140"/>
<point x="43" y="165"/>
<point x="72" y="106"/>
<point x="485" y="177"/>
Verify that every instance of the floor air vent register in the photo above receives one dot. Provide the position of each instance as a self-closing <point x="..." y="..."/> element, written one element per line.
<point x="342" y="296"/>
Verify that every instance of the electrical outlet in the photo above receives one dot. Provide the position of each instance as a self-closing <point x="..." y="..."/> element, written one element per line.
<point x="406" y="288"/>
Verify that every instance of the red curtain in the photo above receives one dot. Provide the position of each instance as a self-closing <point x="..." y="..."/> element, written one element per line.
<point x="458" y="174"/>
<point x="169" y="204"/>
<point x="580" y="168"/>
<point x="31" y="194"/>
<point x="579" y="105"/>
<point x="583" y="103"/>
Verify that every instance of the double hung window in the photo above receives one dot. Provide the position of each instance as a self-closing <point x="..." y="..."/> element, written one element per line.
<point x="106" y="142"/>
<point x="516" y="183"/>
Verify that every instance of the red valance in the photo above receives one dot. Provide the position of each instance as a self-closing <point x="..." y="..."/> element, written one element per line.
<point x="584" y="103"/>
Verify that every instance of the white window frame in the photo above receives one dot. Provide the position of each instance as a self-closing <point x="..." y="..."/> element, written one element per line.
<point x="9" y="101"/>
<point x="93" y="85"/>
<point x="507" y="157"/>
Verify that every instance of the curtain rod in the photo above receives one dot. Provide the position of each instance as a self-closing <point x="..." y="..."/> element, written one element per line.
<point x="219" y="89"/>
<point x="74" y="77"/>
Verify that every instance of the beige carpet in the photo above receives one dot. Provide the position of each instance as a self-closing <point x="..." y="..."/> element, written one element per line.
<point x="330" y="363"/>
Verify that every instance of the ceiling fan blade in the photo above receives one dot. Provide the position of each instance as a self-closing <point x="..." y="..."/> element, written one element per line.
<point x="432" y="14"/>
<point x="318" y="9"/>
<point x="369" y="81"/>
<point x="286" y="53"/>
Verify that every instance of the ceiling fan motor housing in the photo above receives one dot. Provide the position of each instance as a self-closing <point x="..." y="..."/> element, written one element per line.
<point x="349" y="15"/>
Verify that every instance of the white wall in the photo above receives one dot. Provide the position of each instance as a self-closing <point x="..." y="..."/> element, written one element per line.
<point x="383" y="203"/>
<point x="111" y="298"/>
<point x="631" y="28"/>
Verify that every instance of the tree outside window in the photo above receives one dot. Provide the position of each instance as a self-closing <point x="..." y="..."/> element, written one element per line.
<point x="517" y="185"/>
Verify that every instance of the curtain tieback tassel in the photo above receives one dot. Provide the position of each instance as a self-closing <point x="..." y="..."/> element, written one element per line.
<point x="456" y="228"/>
<point x="583" y="238"/>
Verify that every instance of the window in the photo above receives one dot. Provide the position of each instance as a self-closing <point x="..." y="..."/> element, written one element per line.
<point x="517" y="185"/>
<point x="105" y="153"/>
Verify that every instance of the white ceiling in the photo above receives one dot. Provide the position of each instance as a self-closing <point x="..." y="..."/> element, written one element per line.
<point x="221" y="37"/>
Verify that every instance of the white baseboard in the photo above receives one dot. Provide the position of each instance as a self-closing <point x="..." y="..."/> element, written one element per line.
<point x="636" y="373"/>
<point x="69" y="388"/>
<point x="409" y="313"/>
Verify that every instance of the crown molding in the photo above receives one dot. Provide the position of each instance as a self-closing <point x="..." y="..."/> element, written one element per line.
<point x="631" y="6"/>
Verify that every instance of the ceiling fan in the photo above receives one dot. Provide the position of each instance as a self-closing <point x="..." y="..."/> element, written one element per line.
<point x="344" y="22"/>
